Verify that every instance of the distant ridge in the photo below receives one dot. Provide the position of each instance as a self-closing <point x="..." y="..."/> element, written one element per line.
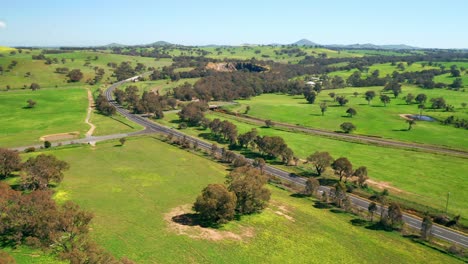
<point x="115" y="45"/>
<point x="160" y="43"/>
<point x="373" y="46"/>
<point x="305" y="42"/>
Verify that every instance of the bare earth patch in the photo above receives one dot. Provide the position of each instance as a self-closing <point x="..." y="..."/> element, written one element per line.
<point x="383" y="185"/>
<point x="406" y="116"/>
<point x="60" y="136"/>
<point x="282" y="210"/>
<point x="198" y="232"/>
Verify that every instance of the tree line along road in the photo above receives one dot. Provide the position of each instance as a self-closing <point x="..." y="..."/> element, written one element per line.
<point x="412" y="221"/>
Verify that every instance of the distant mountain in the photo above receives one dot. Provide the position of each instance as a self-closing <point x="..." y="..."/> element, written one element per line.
<point x="373" y="46"/>
<point x="160" y="43"/>
<point x="305" y="42"/>
<point x="115" y="45"/>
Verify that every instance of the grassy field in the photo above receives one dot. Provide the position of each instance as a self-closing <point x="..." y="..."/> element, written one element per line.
<point x="161" y="85"/>
<point x="52" y="114"/>
<point x="60" y="110"/>
<point x="112" y="125"/>
<point x="23" y="254"/>
<point x="419" y="177"/>
<point x="373" y="119"/>
<point x="384" y="69"/>
<point x="45" y="75"/>
<point x="132" y="188"/>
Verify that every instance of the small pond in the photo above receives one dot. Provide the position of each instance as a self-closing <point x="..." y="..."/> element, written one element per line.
<point x="423" y="118"/>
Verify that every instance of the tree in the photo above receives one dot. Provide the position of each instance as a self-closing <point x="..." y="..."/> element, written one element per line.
<point x="455" y="72"/>
<point x="409" y="98"/>
<point x="347" y="127"/>
<point x="361" y="174"/>
<point x="75" y="75"/>
<point x="311" y="186"/>
<point x="421" y="98"/>
<point x="382" y="199"/>
<point x="395" y="216"/>
<point x="369" y="95"/>
<point x="41" y="170"/>
<point x="332" y="95"/>
<point x="385" y="99"/>
<point x="410" y="122"/>
<point x="31" y="103"/>
<point x="340" y="194"/>
<point x="438" y="103"/>
<point x="323" y="107"/>
<point x="457" y="83"/>
<point x="421" y="108"/>
<point x="249" y="186"/>
<point x="214" y="150"/>
<point x="10" y="161"/>
<point x="463" y="105"/>
<point x="122" y="141"/>
<point x="321" y="161"/>
<point x="124" y="71"/>
<point x="342" y="167"/>
<point x="47" y="144"/>
<point x="351" y="112"/>
<point x="372" y="208"/>
<point x="393" y="86"/>
<point x="355" y="94"/>
<point x="426" y="227"/>
<point x="216" y="205"/>
<point x="268" y="123"/>
<point x="260" y="164"/>
<point x="310" y="96"/>
<point x="193" y="113"/>
<point x="342" y="100"/>
<point x="34" y="86"/>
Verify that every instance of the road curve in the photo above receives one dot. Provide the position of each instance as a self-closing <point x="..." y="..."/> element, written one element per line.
<point x="412" y="221"/>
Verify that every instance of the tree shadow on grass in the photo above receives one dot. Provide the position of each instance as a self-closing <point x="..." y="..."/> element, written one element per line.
<point x="321" y="205"/>
<point x="337" y="211"/>
<point x="359" y="222"/>
<point x="400" y="130"/>
<point x="191" y="219"/>
<point x="377" y="226"/>
<point x="299" y="195"/>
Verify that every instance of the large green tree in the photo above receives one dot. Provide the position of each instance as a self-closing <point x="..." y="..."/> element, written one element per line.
<point x="216" y="205"/>
<point x="249" y="186"/>
<point x="320" y="160"/>
<point x="342" y="167"/>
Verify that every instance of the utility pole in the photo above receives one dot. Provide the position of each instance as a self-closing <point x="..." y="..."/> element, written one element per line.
<point x="446" y="206"/>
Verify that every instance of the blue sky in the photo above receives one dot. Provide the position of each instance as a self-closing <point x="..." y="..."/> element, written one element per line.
<point x="439" y="24"/>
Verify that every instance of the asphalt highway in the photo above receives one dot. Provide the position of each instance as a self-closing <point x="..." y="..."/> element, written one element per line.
<point x="412" y="221"/>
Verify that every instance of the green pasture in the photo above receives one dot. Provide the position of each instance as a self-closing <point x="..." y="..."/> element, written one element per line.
<point x="130" y="190"/>
<point x="60" y="110"/>
<point x="160" y="85"/>
<point x="57" y="111"/>
<point x="26" y="255"/>
<point x="419" y="177"/>
<point x="373" y="119"/>
<point x="115" y="124"/>
<point x="45" y="75"/>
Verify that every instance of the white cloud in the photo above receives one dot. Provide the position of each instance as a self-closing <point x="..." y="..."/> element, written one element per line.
<point x="2" y="24"/>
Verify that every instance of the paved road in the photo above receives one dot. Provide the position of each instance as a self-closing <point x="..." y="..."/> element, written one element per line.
<point x="413" y="221"/>
<point x="359" y="138"/>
